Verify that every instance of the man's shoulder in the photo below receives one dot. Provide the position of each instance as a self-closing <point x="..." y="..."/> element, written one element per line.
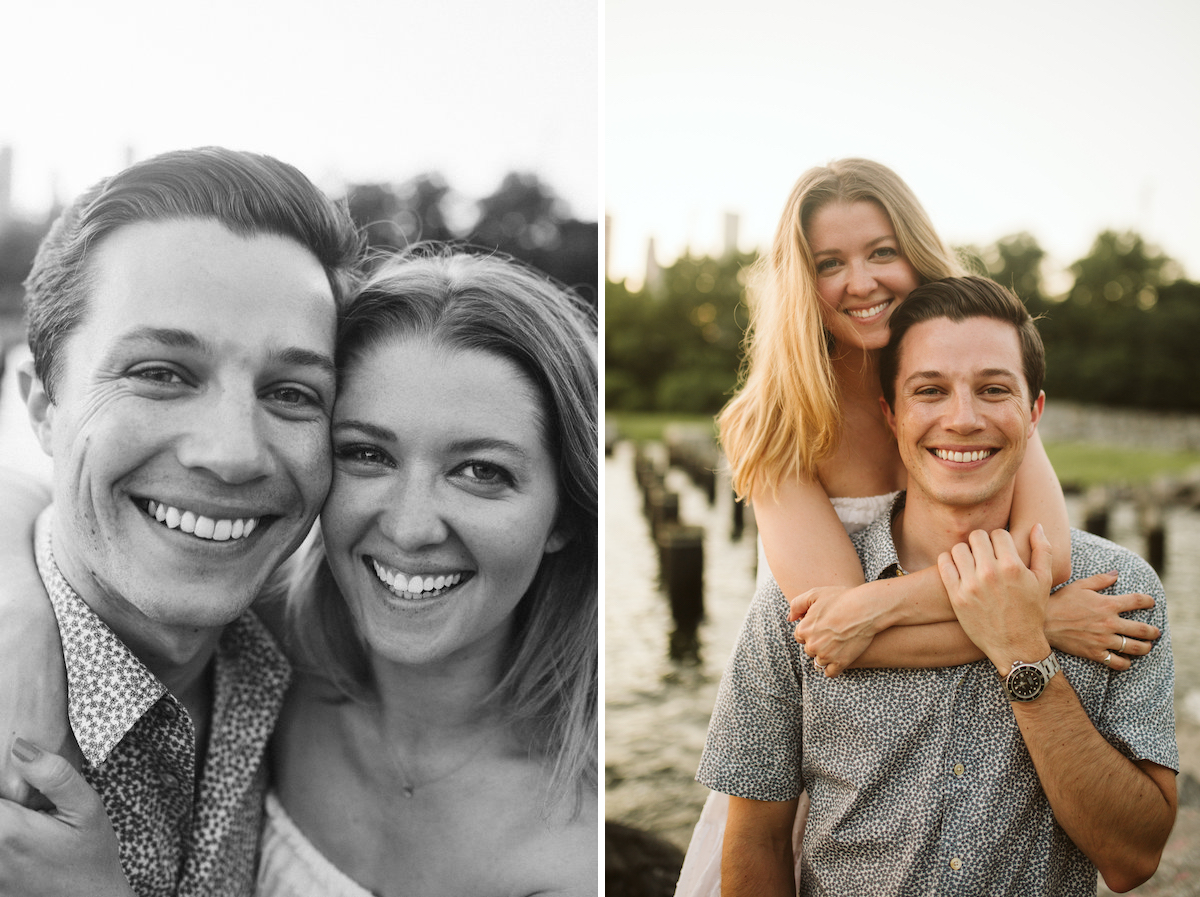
<point x="1092" y="554"/>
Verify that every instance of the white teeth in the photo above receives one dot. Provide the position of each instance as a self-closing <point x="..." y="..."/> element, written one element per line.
<point x="866" y="312"/>
<point x="201" y="527"/>
<point x="962" y="456"/>
<point x="414" y="586"/>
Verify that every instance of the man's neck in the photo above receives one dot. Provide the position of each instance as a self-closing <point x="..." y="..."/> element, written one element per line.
<point x="924" y="528"/>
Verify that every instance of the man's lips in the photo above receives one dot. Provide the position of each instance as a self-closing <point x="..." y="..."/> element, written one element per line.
<point x="216" y="529"/>
<point x="964" y="456"/>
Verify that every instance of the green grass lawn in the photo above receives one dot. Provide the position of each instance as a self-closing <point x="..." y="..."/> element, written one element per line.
<point x="1076" y="463"/>
<point x="1088" y="465"/>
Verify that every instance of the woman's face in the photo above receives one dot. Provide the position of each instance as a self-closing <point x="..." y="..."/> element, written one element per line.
<point x="444" y="498"/>
<point x="861" y="275"/>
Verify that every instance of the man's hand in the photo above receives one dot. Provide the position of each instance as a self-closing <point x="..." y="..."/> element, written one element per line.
<point x="70" y="850"/>
<point x="1000" y="602"/>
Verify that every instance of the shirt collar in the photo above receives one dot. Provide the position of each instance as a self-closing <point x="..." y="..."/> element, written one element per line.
<point x="108" y="688"/>
<point x="877" y="549"/>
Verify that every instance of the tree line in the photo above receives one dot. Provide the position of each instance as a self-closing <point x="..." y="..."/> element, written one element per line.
<point x="523" y="218"/>
<point x="1126" y="333"/>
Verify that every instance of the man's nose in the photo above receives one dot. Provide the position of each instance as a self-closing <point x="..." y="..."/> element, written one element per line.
<point x="962" y="412"/>
<point x="228" y="437"/>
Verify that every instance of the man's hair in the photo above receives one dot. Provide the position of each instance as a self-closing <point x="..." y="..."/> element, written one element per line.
<point x="959" y="298"/>
<point x="250" y="194"/>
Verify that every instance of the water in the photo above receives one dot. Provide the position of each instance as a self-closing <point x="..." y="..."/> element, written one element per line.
<point x="656" y="710"/>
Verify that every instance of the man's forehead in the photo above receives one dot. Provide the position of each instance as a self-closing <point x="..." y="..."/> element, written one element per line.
<point x="977" y="344"/>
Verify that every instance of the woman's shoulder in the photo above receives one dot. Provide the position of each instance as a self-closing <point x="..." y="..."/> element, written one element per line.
<point x="558" y="849"/>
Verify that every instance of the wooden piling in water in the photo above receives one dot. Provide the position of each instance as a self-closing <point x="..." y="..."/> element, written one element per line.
<point x="1096" y="512"/>
<point x="681" y="560"/>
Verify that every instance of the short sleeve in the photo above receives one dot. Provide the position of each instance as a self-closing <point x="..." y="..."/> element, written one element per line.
<point x="1138" y="717"/>
<point x="754" y="736"/>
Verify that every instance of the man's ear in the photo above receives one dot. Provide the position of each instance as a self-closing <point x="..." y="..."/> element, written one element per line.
<point x="1035" y="413"/>
<point x="888" y="415"/>
<point x="37" y="405"/>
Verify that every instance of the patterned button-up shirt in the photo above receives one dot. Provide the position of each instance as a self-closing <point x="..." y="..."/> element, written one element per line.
<point x="181" y="834"/>
<point x="920" y="781"/>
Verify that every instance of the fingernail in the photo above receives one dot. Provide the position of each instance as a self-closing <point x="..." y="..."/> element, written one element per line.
<point x="24" y="751"/>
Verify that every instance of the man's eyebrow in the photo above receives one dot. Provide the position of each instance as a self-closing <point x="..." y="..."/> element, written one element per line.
<point x="938" y="375"/>
<point x="177" y="338"/>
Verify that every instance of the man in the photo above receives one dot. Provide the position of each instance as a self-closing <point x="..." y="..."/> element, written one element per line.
<point x="182" y="317"/>
<point x="1018" y="774"/>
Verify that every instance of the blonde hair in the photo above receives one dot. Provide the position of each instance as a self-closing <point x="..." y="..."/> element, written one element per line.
<point x="784" y="418"/>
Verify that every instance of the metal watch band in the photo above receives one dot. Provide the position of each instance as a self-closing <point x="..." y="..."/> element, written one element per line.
<point x="1026" y="681"/>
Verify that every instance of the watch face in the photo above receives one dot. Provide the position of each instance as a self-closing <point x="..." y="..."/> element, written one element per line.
<point x="1026" y="683"/>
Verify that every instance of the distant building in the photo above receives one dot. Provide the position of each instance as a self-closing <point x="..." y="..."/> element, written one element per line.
<point x="732" y="223"/>
<point x="607" y="243"/>
<point x="6" y="171"/>
<point x="654" y="274"/>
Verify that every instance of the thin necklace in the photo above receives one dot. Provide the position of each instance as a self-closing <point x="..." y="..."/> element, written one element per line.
<point x="408" y="787"/>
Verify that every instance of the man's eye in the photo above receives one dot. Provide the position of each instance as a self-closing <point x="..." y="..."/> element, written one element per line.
<point x="162" y="375"/>
<point x="291" y="395"/>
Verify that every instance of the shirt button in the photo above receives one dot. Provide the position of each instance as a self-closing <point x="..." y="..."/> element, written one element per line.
<point x="956" y="864"/>
<point x="169" y="780"/>
<point x="169" y="710"/>
<point x="959" y="769"/>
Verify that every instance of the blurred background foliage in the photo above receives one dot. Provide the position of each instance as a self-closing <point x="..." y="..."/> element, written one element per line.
<point x="523" y="217"/>
<point x="1125" y="333"/>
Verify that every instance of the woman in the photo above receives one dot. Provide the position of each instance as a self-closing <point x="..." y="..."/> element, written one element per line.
<point x="440" y="737"/>
<point x="440" y="734"/>
<point x="808" y="444"/>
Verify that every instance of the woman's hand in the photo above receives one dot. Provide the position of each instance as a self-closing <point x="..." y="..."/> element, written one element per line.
<point x="69" y="850"/>
<point x="33" y="690"/>
<point x="835" y="626"/>
<point x="1083" y="622"/>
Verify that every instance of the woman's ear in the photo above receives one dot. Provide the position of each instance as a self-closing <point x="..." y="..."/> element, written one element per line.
<point x="38" y="405"/>
<point x="558" y="538"/>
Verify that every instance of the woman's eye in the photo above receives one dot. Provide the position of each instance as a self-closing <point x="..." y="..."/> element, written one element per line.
<point x="886" y="252"/>
<point x="362" y="454"/>
<point x="827" y="264"/>
<point x="485" y="473"/>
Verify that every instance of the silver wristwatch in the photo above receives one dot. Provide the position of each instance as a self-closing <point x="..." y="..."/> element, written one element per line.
<point x="1026" y="681"/>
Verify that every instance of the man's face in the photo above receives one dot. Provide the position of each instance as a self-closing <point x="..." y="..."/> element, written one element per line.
<point x="963" y="416"/>
<point x="190" y="435"/>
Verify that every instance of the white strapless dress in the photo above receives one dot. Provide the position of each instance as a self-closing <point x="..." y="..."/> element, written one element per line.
<point x="701" y="872"/>
<point x="290" y="866"/>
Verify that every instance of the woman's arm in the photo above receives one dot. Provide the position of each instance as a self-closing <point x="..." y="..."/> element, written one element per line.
<point x="807" y="548"/>
<point x="1038" y="498"/>
<point x="33" y="679"/>
<point x="887" y="623"/>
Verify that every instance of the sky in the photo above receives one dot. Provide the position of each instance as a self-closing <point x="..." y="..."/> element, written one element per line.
<point x="1058" y="118"/>
<point x="358" y="91"/>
